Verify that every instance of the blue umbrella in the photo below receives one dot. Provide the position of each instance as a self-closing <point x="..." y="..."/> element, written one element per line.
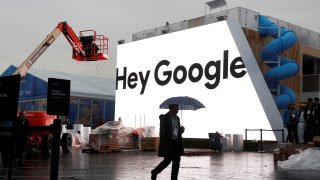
<point x="184" y="102"/>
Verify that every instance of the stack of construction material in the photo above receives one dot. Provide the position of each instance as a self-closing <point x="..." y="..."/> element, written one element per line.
<point x="112" y="136"/>
<point x="316" y="141"/>
<point x="307" y="160"/>
<point x="150" y="143"/>
<point x="99" y="141"/>
<point x="120" y="138"/>
<point x="283" y="151"/>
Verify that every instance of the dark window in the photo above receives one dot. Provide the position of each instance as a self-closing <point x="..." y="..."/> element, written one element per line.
<point x="310" y="65"/>
<point x="310" y="73"/>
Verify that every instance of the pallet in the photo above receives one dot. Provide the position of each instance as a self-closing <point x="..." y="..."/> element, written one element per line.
<point x="149" y="143"/>
<point x="89" y="150"/>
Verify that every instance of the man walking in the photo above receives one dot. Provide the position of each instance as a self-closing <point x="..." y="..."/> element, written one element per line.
<point x="170" y="146"/>
<point x="21" y="134"/>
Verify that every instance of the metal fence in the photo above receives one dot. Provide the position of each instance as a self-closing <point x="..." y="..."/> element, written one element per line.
<point x="247" y="18"/>
<point x="261" y="136"/>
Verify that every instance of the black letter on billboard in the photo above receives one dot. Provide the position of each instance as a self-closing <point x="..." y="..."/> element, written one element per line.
<point x="166" y="73"/>
<point x="184" y="74"/>
<point x="121" y="78"/>
<point x="144" y="81"/>
<point x="215" y="76"/>
<point x="132" y="78"/>
<point x="234" y="67"/>
<point x="225" y="64"/>
<point x="192" y="67"/>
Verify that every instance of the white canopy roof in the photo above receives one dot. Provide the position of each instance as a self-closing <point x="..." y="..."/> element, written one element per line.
<point x="81" y="85"/>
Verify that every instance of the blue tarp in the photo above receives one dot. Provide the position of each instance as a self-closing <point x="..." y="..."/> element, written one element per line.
<point x="31" y="87"/>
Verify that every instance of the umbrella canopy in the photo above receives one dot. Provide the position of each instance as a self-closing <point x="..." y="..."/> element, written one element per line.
<point x="184" y="102"/>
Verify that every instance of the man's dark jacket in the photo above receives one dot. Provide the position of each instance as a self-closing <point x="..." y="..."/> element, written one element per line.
<point x="21" y="132"/>
<point x="165" y="145"/>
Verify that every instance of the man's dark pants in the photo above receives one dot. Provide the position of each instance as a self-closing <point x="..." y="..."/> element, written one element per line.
<point x="175" y="157"/>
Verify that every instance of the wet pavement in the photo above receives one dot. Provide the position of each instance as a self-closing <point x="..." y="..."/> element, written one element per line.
<point x="138" y="164"/>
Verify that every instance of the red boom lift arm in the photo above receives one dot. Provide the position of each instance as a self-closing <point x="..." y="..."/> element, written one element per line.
<point x="91" y="47"/>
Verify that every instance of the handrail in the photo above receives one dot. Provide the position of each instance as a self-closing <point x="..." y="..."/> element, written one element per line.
<point x="246" y="18"/>
<point x="261" y="130"/>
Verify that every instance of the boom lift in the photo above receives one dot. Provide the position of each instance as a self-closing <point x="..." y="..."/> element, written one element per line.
<point x="91" y="47"/>
<point x="86" y="47"/>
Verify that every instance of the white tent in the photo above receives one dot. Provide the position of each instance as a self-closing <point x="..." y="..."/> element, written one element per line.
<point x="81" y="85"/>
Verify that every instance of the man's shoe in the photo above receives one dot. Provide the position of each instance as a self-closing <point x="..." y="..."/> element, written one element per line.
<point x="153" y="175"/>
<point x="20" y="163"/>
<point x="5" y="166"/>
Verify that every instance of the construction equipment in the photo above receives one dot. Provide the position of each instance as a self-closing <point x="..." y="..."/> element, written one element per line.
<point x="90" y="47"/>
<point x="87" y="47"/>
<point x="42" y="136"/>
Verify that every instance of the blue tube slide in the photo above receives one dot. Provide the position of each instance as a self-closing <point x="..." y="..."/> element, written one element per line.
<point x="269" y="54"/>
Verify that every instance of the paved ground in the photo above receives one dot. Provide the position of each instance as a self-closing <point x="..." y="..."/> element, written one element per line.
<point x="137" y="165"/>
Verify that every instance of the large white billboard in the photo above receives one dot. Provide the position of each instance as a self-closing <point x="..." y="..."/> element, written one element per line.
<point x="211" y="63"/>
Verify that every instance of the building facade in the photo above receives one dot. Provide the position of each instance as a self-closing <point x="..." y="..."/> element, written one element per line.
<point x="306" y="52"/>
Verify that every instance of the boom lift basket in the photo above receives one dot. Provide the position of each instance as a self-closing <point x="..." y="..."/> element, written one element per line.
<point x="95" y="46"/>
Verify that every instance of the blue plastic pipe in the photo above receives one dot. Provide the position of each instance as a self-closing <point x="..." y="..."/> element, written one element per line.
<point x="286" y="96"/>
<point x="270" y="53"/>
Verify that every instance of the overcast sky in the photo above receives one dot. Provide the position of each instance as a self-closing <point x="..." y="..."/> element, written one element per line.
<point x="25" y="23"/>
